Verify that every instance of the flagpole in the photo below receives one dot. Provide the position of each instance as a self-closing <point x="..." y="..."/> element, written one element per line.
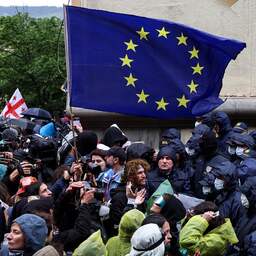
<point x="69" y="86"/>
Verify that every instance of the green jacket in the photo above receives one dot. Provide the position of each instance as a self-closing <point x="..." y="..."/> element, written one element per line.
<point x="120" y="245"/>
<point x="92" y="246"/>
<point x="211" y="244"/>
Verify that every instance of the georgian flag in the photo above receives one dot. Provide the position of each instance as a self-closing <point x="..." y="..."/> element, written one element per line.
<point x="15" y="106"/>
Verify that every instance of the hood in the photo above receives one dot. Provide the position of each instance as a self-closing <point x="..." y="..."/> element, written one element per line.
<point x="92" y="246"/>
<point x="114" y="136"/>
<point x="34" y="229"/>
<point x="240" y="127"/>
<point x="86" y="142"/>
<point x="228" y="171"/>
<point x="147" y="237"/>
<point x="207" y="120"/>
<point x="249" y="189"/>
<point x="48" y="130"/>
<point x="129" y="223"/>
<point x="223" y="121"/>
<point x="226" y="232"/>
<point x="47" y="251"/>
<point x="247" y="168"/>
<point x="242" y="139"/>
<point x="138" y="150"/>
<point x="168" y="135"/>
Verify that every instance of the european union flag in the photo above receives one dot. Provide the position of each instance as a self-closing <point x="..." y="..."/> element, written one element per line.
<point x="144" y="67"/>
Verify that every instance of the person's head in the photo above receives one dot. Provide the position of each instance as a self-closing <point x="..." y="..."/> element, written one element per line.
<point x="129" y="223"/>
<point x="44" y="191"/>
<point x="147" y="240"/>
<point x="61" y="171"/>
<point x="115" y="156"/>
<point x="240" y="127"/>
<point x="86" y="142"/>
<point x="42" y="207"/>
<point x="166" y="158"/>
<point x="162" y="223"/>
<point x="170" y="207"/>
<point x="222" y="123"/>
<point x="136" y="171"/>
<point x="207" y="206"/>
<point x="98" y="158"/>
<point x="28" y="233"/>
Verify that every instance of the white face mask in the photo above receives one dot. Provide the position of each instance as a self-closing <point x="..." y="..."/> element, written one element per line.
<point x="189" y="151"/>
<point x="218" y="184"/>
<point x="197" y="123"/>
<point x="239" y="151"/>
<point x="245" y="201"/>
<point x="206" y="190"/>
<point x="231" y="150"/>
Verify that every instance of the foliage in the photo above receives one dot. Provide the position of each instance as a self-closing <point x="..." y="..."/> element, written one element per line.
<point x="29" y="60"/>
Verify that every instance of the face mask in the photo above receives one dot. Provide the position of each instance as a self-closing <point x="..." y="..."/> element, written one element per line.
<point x="231" y="150"/>
<point x="206" y="190"/>
<point x="218" y="184"/>
<point x="189" y="151"/>
<point x="197" y="123"/>
<point x="245" y="201"/>
<point x="239" y="151"/>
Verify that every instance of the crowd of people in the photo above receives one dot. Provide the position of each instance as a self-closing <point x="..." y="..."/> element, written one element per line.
<point x="65" y="191"/>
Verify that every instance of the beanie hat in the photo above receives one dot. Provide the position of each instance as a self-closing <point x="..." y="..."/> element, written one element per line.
<point x="166" y="151"/>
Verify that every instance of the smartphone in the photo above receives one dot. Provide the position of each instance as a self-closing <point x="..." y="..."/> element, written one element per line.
<point x="216" y="214"/>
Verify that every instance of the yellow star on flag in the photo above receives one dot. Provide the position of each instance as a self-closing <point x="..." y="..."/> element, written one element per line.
<point x="194" y="53"/>
<point x="182" y="39"/>
<point x="126" y="61"/>
<point x="142" y="97"/>
<point x="162" y="104"/>
<point x="163" y="32"/>
<point x="183" y="101"/>
<point x="192" y="86"/>
<point x="197" y="69"/>
<point x="130" y="80"/>
<point x="142" y="33"/>
<point x="131" y="45"/>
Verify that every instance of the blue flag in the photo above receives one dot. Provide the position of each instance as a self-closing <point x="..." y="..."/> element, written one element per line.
<point x="144" y="67"/>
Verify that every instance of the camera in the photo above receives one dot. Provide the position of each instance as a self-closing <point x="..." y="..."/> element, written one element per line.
<point x="89" y="166"/>
<point x="98" y="192"/>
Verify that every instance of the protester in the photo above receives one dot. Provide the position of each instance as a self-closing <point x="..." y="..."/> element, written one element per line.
<point x="120" y="245"/>
<point x="147" y="240"/>
<point x="208" y="232"/>
<point x="27" y="236"/>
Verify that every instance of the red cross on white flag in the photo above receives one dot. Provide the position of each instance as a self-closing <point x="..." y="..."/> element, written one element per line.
<point x="15" y="106"/>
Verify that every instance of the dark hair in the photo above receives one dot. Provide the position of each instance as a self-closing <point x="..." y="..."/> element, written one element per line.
<point x="32" y="190"/>
<point x="205" y="207"/>
<point x="4" y="194"/>
<point x="155" y="218"/>
<point x="59" y="171"/>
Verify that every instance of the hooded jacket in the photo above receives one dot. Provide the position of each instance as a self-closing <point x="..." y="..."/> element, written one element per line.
<point x="211" y="244"/>
<point x="120" y="245"/>
<point x="92" y="246"/>
<point x="147" y="240"/>
<point x="35" y="231"/>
